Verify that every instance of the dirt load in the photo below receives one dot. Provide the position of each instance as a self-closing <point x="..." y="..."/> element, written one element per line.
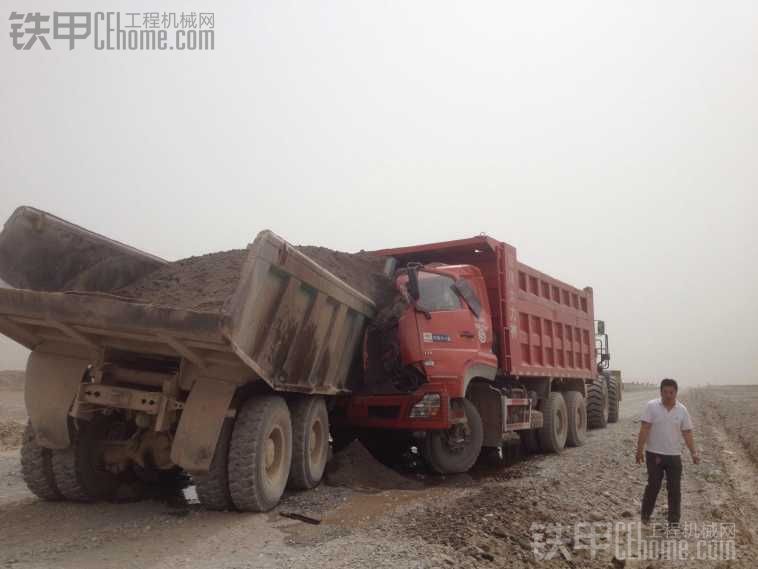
<point x="205" y="282"/>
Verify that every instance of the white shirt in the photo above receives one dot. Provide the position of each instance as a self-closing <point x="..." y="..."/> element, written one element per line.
<point x="666" y="426"/>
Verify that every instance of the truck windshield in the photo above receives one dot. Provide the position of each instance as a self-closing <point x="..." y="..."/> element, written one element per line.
<point x="437" y="293"/>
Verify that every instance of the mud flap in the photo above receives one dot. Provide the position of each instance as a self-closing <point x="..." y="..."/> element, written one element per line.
<point x="52" y="382"/>
<point x="200" y="425"/>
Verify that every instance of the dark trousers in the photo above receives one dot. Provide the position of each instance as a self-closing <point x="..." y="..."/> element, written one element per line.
<point x="657" y="466"/>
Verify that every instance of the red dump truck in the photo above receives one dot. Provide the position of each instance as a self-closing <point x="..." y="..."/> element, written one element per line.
<point x="493" y="346"/>
<point x="243" y="394"/>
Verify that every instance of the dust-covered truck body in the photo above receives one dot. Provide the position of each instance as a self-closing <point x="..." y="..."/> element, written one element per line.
<point x="167" y="377"/>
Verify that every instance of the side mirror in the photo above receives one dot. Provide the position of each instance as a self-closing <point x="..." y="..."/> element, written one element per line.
<point x="413" y="289"/>
<point x="600" y="327"/>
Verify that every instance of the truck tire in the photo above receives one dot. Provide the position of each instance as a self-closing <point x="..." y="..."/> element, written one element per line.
<point x="37" y="467"/>
<point x="614" y="397"/>
<point x="554" y="428"/>
<point x="310" y="442"/>
<point x="260" y="453"/>
<point x="79" y="471"/>
<point x="456" y="449"/>
<point x="576" y="410"/>
<point x="597" y="404"/>
<point x="213" y="487"/>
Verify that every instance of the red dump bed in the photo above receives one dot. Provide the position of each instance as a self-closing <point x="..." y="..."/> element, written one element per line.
<point x="544" y="326"/>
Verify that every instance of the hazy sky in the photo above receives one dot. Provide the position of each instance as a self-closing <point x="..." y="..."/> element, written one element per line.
<point x="615" y="144"/>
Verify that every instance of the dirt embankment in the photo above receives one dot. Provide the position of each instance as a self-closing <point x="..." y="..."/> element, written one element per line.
<point x="205" y="282"/>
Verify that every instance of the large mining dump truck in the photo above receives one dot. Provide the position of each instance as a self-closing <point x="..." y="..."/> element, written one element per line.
<point x="242" y="376"/>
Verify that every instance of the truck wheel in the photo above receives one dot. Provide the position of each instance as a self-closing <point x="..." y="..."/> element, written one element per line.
<point x="597" y="404"/>
<point x="37" y="467"/>
<point x="260" y="453"/>
<point x="614" y="396"/>
<point x="79" y="470"/>
<point x="456" y="449"/>
<point x="213" y="487"/>
<point x="530" y="442"/>
<point x="310" y="442"/>
<point x="555" y="423"/>
<point x="576" y="410"/>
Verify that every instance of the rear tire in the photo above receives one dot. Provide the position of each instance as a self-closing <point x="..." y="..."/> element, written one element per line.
<point x="576" y="410"/>
<point x="614" y="397"/>
<point x="597" y="404"/>
<point x="213" y="487"/>
<point x="79" y="470"/>
<point x="454" y="451"/>
<point x="37" y="467"/>
<point x="310" y="442"/>
<point x="260" y="453"/>
<point x="555" y="423"/>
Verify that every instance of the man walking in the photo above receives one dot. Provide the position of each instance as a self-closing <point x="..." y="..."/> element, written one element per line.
<point x="664" y="423"/>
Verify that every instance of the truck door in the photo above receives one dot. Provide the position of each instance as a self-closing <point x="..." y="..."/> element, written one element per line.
<point x="448" y="330"/>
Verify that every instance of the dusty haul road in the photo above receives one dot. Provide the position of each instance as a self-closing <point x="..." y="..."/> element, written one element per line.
<point x="375" y="518"/>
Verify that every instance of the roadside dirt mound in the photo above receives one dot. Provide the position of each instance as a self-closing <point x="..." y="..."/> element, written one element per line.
<point x="11" y="434"/>
<point x="355" y="468"/>
<point x="12" y="380"/>
<point x="205" y="282"/>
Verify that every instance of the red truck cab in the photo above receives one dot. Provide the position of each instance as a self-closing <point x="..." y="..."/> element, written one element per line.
<point x="446" y="334"/>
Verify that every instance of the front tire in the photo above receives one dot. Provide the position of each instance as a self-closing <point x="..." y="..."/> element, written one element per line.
<point x="456" y="449"/>
<point x="260" y="454"/>
<point x="310" y="442"/>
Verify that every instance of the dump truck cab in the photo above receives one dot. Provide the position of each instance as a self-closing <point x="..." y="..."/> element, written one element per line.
<point x="445" y="337"/>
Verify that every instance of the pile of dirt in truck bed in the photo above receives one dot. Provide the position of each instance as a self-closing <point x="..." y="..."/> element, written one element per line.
<point x="203" y="283"/>
<point x="354" y="467"/>
<point x="196" y="283"/>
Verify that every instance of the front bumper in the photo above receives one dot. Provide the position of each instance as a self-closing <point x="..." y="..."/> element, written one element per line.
<point x="394" y="411"/>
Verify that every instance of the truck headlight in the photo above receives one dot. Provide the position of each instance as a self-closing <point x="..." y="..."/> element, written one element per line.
<point x="429" y="406"/>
